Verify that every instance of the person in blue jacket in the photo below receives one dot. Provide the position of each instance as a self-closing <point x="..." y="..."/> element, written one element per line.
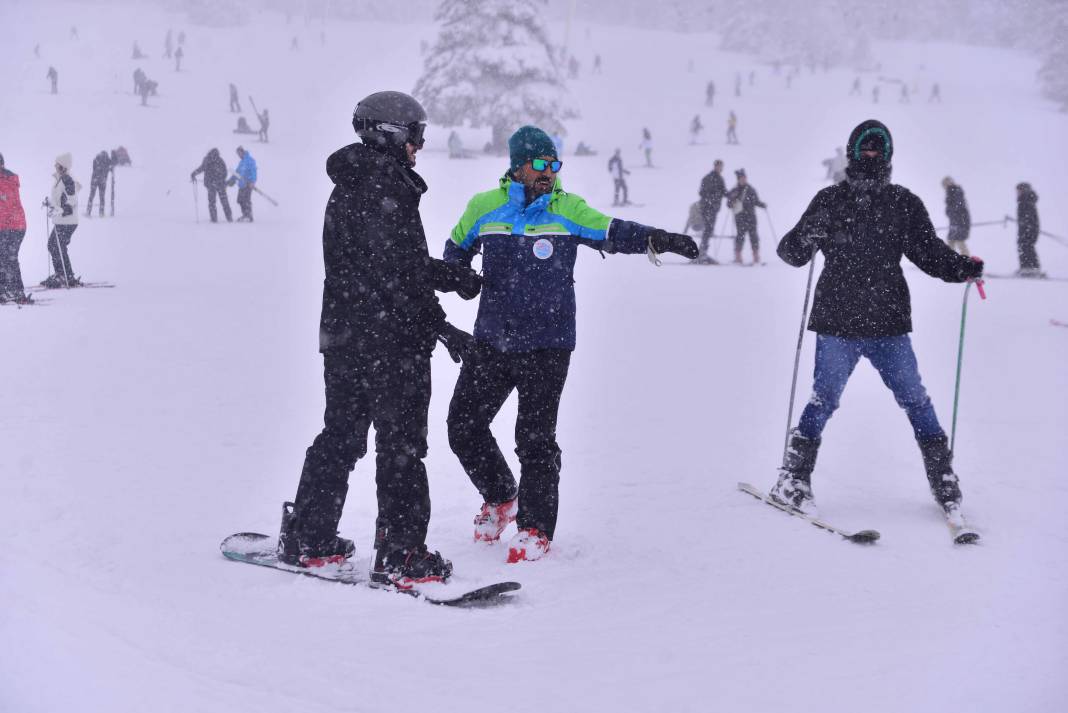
<point x="245" y="178"/>
<point x="528" y="230"/>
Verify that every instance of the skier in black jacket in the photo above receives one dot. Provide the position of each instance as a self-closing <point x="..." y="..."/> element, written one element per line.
<point x="711" y="193"/>
<point x="98" y="182"/>
<point x="743" y="202"/>
<point x="960" y="220"/>
<point x="1027" y="230"/>
<point x="214" y="169"/>
<point x="380" y="322"/>
<point x="863" y="226"/>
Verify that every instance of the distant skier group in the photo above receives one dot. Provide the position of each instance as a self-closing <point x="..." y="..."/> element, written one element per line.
<point x="217" y="179"/>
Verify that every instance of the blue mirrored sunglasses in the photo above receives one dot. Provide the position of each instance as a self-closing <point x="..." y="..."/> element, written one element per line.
<point x="540" y="164"/>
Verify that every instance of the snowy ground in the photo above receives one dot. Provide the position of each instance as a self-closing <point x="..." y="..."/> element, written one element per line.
<point x="143" y="424"/>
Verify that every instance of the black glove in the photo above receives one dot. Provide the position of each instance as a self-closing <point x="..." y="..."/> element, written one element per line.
<point x="972" y="270"/>
<point x="662" y="241"/>
<point x="450" y="277"/>
<point x="459" y="343"/>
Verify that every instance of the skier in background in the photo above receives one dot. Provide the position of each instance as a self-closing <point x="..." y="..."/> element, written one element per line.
<point x="63" y="209"/>
<point x="98" y="182"/>
<point x="265" y="124"/>
<point x="139" y="78"/>
<point x="875" y="94"/>
<point x="836" y="166"/>
<point x="12" y="231"/>
<point x="696" y="127"/>
<point x="732" y="126"/>
<point x="904" y="99"/>
<point x="710" y="93"/>
<point x="148" y="87"/>
<point x="936" y="94"/>
<point x="178" y="54"/>
<point x="856" y="87"/>
<point x="863" y="227"/>
<point x="519" y="349"/>
<point x="646" y="146"/>
<point x="711" y="199"/>
<point x="619" y="181"/>
<point x="1027" y="230"/>
<point x="245" y="178"/>
<point x="597" y="64"/>
<point x="380" y="323"/>
<point x="743" y="202"/>
<point x="214" y="169"/>
<point x="137" y="53"/>
<point x="738" y="84"/>
<point x="235" y="102"/>
<point x="168" y="45"/>
<point x="960" y="220"/>
<point x="53" y="77"/>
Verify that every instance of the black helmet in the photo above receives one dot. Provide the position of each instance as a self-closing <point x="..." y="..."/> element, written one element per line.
<point x="388" y="120"/>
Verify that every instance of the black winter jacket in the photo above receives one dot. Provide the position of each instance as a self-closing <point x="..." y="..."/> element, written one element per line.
<point x="863" y="235"/>
<point x="957" y="207"/>
<point x="378" y="294"/>
<point x="712" y="190"/>
<point x="101" y="166"/>
<point x="747" y="197"/>
<point x="214" y="169"/>
<point x="1027" y="216"/>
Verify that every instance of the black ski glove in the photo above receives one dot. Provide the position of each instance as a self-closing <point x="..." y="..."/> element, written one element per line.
<point x="662" y="241"/>
<point x="972" y="270"/>
<point x="462" y="280"/>
<point x="459" y="343"/>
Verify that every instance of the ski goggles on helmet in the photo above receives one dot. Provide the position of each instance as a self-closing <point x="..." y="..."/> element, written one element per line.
<point x="403" y="133"/>
<point x="540" y="164"/>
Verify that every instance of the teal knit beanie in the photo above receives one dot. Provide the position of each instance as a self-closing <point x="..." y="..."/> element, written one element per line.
<point x="527" y="143"/>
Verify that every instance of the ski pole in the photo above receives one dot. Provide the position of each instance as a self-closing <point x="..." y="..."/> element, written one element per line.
<point x="112" y="192"/>
<point x="774" y="235"/>
<point x="797" y="354"/>
<point x="723" y="231"/>
<point x="960" y="355"/>
<point x="270" y="200"/>
<point x="196" y="200"/>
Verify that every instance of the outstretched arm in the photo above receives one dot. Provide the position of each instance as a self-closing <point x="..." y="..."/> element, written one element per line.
<point x="797" y="246"/>
<point x="930" y="254"/>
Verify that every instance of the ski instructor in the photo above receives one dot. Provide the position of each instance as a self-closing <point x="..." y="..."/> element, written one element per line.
<point x="528" y="230"/>
<point x="380" y="322"/>
<point x="863" y="226"/>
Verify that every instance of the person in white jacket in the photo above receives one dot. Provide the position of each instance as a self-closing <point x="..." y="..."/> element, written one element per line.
<point x="63" y="210"/>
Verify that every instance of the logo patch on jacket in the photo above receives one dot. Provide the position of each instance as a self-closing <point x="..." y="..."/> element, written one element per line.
<point x="543" y="249"/>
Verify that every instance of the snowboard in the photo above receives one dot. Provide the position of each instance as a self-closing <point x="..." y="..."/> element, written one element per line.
<point x="258" y="549"/>
<point x="89" y="285"/>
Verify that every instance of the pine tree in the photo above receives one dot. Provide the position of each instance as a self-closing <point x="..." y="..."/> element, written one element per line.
<point x="493" y="64"/>
<point x="1054" y="70"/>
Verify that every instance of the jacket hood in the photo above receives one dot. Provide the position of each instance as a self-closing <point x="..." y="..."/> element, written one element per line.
<point x="864" y="172"/>
<point x="1027" y="194"/>
<point x="65" y="160"/>
<point x="351" y="165"/>
<point x="213" y="154"/>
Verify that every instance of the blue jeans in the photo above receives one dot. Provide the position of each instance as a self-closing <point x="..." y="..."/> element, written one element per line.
<point x="892" y="357"/>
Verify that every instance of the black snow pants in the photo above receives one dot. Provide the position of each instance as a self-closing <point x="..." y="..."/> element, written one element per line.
<point x="244" y="201"/>
<point x="484" y="384"/>
<point x="746" y="225"/>
<point x="620" y="186"/>
<point x="1025" y="248"/>
<point x="392" y="393"/>
<point x="97" y="186"/>
<point x="708" y="215"/>
<point x="57" y="248"/>
<point x="10" y="274"/>
<point x="219" y="191"/>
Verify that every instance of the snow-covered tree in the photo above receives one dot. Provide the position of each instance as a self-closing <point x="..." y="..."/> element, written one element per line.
<point x="494" y="64"/>
<point x="1054" y="70"/>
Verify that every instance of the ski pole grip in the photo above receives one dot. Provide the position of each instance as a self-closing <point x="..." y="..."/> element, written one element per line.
<point x="979" y="286"/>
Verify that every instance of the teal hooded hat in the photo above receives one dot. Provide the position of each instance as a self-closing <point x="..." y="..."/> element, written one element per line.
<point x="529" y="142"/>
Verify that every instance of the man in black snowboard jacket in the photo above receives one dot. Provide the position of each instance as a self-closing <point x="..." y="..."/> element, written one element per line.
<point x="864" y="226"/>
<point x="380" y="322"/>
<point x="711" y="194"/>
<point x="214" y="169"/>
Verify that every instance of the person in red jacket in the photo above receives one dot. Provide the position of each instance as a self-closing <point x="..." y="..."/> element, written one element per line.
<point x="12" y="231"/>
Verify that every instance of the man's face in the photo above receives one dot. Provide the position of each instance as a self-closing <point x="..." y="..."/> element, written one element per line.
<point x="537" y="183"/>
<point x="871" y="153"/>
<point x="60" y="170"/>
<point x="411" y="150"/>
<point x="718" y="167"/>
<point x="742" y="180"/>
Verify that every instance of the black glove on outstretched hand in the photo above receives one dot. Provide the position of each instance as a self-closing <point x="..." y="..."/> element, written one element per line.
<point x="973" y="269"/>
<point x="460" y="279"/>
<point x="459" y="343"/>
<point x="662" y="241"/>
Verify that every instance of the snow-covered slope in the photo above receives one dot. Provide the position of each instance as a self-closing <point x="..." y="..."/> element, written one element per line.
<point x="142" y="424"/>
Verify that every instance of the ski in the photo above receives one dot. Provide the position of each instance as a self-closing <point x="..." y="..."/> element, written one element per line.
<point x="863" y="537"/>
<point x="27" y="303"/>
<point x="258" y="549"/>
<point x="959" y="530"/>
<point x="90" y="285"/>
<point x="1042" y="277"/>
